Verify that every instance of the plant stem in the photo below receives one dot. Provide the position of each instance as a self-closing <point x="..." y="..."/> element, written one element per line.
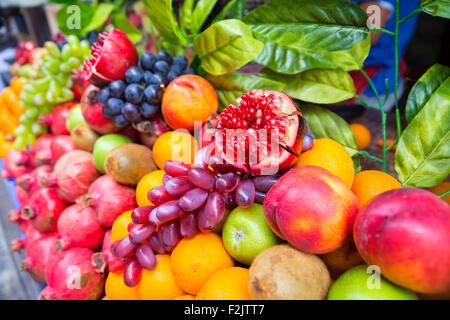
<point x="365" y="103"/>
<point x="397" y="24"/>
<point x="366" y="154"/>
<point x="411" y="14"/>
<point x="383" y="30"/>
<point x="444" y="194"/>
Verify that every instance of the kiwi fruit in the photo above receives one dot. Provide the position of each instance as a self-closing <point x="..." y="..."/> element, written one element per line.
<point x="83" y="137"/>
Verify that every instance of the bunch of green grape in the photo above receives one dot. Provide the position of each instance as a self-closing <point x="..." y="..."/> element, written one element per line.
<point x="50" y="85"/>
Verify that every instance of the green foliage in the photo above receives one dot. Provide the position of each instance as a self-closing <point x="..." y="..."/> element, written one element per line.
<point x="439" y="8"/>
<point x="67" y="19"/>
<point x="120" y="21"/>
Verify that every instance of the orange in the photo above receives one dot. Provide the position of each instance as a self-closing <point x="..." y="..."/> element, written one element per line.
<point x="329" y="155"/>
<point x="106" y="298"/>
<point x="226" y="284"/>
<point x="442" y="187"/>
<point x="362" y="135"/>
<point x="148" y="182"/>
<point x="174" y="145"/>
<point x="116" y="289"/>
<point x="185" y="297"/>
<point x="370" y="183"/>
<point x="159" y="283"/>
<point x="17" y="85"/>
<point x="120" y="226"/>
<point x="196" y="259"/>
<point x="389" y="142"/>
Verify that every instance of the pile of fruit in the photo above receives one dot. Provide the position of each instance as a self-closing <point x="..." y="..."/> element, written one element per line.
<point x="133" y="186"/>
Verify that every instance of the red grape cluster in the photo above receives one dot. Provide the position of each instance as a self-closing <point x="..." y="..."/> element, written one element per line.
<point x="191" y="199"/>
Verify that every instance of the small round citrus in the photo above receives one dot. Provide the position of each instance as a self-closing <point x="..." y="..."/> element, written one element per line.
<point x="226" y="284"/>
<point x="370" y="183"/>
<point x="442" y="187"/>
<point x="116" y="289"/>
<point x="362" y="135"/>
<point x="196" y="259"/>
<point x="120" y="226"/>
<point x="159" y="283"/>
<point x="329" y="155"/>
<point x="174" y="145"/>
<point x="185" y="297"/>
<point x="148" y="182"/>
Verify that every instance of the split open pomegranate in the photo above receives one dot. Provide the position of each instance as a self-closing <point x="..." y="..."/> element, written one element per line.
<point x="262" y="135"/>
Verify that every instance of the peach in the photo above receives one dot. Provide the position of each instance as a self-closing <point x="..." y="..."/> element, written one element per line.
<point x="187" y="99"/>
<point x="312" y="209"/>
<point x="406" y="232"/>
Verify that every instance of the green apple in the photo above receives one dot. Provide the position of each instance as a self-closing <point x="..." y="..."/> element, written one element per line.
<point x="246" y="233"/>
<point x="75" y="117"/>
<point x="362" y="283"/>
<point x="104" y="145"/>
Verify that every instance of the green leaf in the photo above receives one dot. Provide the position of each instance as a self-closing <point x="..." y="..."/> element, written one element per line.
<point x="226" y="46"/>
<point x="201" y="12"/>
<point x="422" y="158"/>
<point x="323" y="86"/>
<point x="186" y="14"/>
<point x="63" y="1"/>
<point x="301" y="35"/>
<point x="439" y="8"/>
<point x="232" y="85"/>
<point x="324" y="123"/>
<point x="73" y="18"/>
<point x="100" y="16"/>
<point x="222" y="14"/>
<point x="120" y="21"/>
<point x="161" y="14"/>
<point x="424" y="89"/>
<point x="237" y="11"/>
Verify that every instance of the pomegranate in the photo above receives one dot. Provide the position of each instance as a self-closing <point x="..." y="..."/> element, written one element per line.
<point x="78" y="227"/>
<point x="60" y="145"/>
<point x="80" y="83"/>
<point x="40" y="148"/>
<point x="57" y="119"/>
<point x="106" y="255"/>
<point x="22" y="195"/>
<point x="92" y="112"/>
<point x="29" y="182"/>
<point x="23" y="52"/>
<point x="262" y="135"/>
<point x="39" y="253"/>
<point x="73" y="174"/>
<point x="109" y="199"/>
<point x="130" y="133"/>
<point x="14" y="217"/>
<point x="16" y="164"/>
<point x="112" y="55"/>
<point x="44" y="209"/>
<point x="152" y="130"/>
<point x="72" y="276"/>
<point x="31" y="235"/>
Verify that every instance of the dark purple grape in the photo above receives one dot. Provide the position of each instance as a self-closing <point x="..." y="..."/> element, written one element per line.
<point x="176" y="168"/>
<point x="156" y="78"/>
<point x="245" y="193"/>
<point x="153" y="94"/>
<point x="227" y="182"/>
<point x="259" y="197"/>
<point x="114" y="106"/>
<point x="164" y="56"/>
<point x="141" y="232"/>
<point x="202" y="178"/>
<point x="172" y="75"/>
<point x="148" y="110"/>
<point x="188" y="224"/>
<point x="134" y="75"/>
<point x="203" y="224"/>
<point x="159" y="195"/>
<point x="120" y="121"/>
<point x="161" y="67"/>
<point x="189" y="71"/>
<point x="155" y="243"/>
<point x="132" y="273"/>
<point x="165" y="212"/>
<point x="176" y="69"/>
<point x="264" y="183"/>
<point x="130" y="111"/>
<point x="220" y="166"/>
<point x="117" y="88"/>
<point x="146" y="257"/>
<point x="140" y="214"/>
<point x="134" y="93"/>
<point x="169" y="234"/>
<point x="229" y="200"/>
<point x="103" y="95"/>
<point x="106" y="112"/>
<point x="180" y="61"/>
<point x="178" y="185"/>
<point x="193" y="199"/>
<point x="124" y="247"/>
<point x="215" y="207"/>
<point x="201" y="159"/>
<point x="307" y="143"/>
<point x="147" y="61"/>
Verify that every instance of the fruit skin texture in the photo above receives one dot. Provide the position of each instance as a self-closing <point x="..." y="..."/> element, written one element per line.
<point x="83" y="137"/>
<point x="342" y="259"/>
<point x="284" y="273"/>
<point x="370" y="183"/>
<point x="71" y="276"/>
<point x="104" y="145"/>
<point x="119" y="228"/>
<point x="195" y="260"/>
<point x="323" y="221"/>
<point x="109" y="199"/>
<point x="159" y="283"/>
<point x="148" y="182"/>
<point x="226" y="284"/>
<point x="75" y="117"/>
<point x="332" y="156"/>
<point x="57" y="119"/>
<point x="405" y="233"/>
<point x="174" y="145"/>
<point x="115" y="288"/>
<point x="187" y="99"/>
<point x="246" y="233"/>
<point x="16" y="164"/>
<point x="362" y="135"/>
<point x="78" y="227"/>
<point x="353" y="285"/>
